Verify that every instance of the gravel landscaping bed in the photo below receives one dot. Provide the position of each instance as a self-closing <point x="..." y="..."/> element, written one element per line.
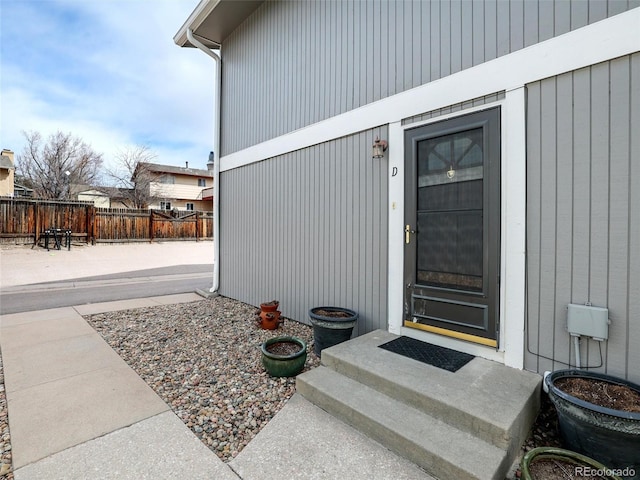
<point x="204" y="360"/>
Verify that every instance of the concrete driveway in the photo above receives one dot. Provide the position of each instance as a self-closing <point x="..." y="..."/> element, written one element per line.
<point x="22" y="265"/>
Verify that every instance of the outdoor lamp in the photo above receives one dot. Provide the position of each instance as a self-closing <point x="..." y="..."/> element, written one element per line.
<point x="379" y="147"/>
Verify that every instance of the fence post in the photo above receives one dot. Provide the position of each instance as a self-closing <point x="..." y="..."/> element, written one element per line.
<point x="151" y="226"/>
<point x="36" y="213"/>
<point x="197" y="226"/>
<point x="91" y="218"/>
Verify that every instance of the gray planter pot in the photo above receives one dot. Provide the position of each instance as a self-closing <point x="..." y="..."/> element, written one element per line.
<point x="609" y="436"/>
<point x="331" y="330"/>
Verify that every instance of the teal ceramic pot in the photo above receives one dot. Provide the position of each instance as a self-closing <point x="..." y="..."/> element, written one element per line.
<point x="567" y="456"/>
<point x="284" y="365"/>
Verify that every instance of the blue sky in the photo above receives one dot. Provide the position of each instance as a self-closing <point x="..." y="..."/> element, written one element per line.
<point x="108" y="72"/>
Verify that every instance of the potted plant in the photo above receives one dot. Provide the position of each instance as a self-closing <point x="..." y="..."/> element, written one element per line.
<point x="284" y="356"/>
<point x="551" y="463"/>
<point x="269" y="316"/>
<point x="598" y="416"/>
<point x="331" y="326"/>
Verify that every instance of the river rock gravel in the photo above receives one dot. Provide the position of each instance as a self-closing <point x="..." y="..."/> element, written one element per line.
<point x="203" y="359"/>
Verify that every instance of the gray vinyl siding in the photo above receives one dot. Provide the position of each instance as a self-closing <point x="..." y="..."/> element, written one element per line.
<point x="583" y="213"/>
<point x="309" y="228"/>
<point x="458" y="107"/>
<point x="294" y="63"/>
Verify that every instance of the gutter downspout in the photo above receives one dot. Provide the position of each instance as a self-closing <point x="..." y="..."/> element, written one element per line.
<point x="216" y="160"/>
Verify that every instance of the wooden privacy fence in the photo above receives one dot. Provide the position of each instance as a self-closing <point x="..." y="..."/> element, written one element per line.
<point x="25" y="220"/>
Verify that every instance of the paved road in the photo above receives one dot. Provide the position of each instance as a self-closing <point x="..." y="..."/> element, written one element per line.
<point x="105" y="288"/>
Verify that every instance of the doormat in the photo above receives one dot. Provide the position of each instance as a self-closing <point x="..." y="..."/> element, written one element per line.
<point x="435" y="355"/>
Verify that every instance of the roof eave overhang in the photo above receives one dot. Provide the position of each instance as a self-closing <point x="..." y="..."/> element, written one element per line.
<point x="213" y="20"/>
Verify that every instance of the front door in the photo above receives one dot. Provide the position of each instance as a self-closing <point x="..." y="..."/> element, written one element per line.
<point x="452" y="227"/>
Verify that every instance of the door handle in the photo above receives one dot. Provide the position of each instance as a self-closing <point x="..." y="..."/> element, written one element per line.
<point x="407" y="233"/>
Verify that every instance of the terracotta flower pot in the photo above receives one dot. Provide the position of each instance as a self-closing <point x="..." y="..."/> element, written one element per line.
<point x="271" y="306"/>
<point x="269" y="315"/>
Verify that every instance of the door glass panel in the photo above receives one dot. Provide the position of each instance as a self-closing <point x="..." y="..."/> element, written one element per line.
<point x="450" y="211"/>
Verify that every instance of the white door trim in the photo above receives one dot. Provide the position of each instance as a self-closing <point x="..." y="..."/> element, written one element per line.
<point x="512" y="235"/>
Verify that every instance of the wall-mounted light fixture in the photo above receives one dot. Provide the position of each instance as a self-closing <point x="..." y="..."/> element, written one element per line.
<point x="379" y="147"/>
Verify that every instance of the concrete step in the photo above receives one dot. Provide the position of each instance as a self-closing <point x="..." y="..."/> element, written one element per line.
<point x="440" y="449"/>
<point x="483" y="402"/>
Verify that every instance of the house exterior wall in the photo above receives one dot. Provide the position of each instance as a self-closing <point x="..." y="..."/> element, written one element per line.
<point x="183" y="190"/>
<point x="7" y="176"/>
<point x="314" y="60"/>
<point x="263" y="103"/>
<point x="583" y="214"/>
<point x="99" y="199"/>
<point x="200" y="205"/>
<point x="175" y="191"/>
<point x="6" y="182"/>
<point x="309" y="229"/>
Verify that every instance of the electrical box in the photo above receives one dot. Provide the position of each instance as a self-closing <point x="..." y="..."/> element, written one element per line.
<point x="589" y="321"/>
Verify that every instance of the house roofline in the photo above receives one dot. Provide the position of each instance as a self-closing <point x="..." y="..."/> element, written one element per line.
<point x="159" y="168"/>
<point x="213" y="20"/>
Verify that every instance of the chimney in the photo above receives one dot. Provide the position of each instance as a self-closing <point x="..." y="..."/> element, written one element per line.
<point x="186" y="164"/>
<point x="210" y="162"/>
<point x="8" y="153"/>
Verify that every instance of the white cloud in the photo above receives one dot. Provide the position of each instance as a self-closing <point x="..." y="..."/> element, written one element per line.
<point x="109" y="73"/>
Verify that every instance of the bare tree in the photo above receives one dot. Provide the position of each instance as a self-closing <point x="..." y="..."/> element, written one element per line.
<point x="51" y="169"/>
<point x="132" y="176"/>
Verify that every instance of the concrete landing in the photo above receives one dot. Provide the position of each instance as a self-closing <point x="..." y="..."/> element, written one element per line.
<point x="467" y="424"/>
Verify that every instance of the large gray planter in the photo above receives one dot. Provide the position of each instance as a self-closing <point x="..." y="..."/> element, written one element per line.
<point x="609" y="436"/>
<point x="331" y="326"/>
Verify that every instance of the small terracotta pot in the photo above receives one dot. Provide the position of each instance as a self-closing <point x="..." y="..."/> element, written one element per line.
<point x="269" y="315"/>
<point x="269" y="321"/>
<point x="271" y="306"/>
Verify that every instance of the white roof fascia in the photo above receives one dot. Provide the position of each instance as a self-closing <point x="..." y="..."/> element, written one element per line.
<point x="199" y="15"/>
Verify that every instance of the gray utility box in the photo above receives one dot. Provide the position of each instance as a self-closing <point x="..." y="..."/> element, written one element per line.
<point x="588" y="320"/>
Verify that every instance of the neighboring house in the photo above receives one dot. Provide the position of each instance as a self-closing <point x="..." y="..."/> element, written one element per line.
<point x="178" y="188"/>
<point x="103" y="197"/>
<point x="7" y="170"/>
<point x="510" y="187"/>
<point x="22" y="191"/>
<point x="99" y="198"/>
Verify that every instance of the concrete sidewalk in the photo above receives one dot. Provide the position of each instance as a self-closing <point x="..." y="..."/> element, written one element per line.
<point x="78" y="411"/>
